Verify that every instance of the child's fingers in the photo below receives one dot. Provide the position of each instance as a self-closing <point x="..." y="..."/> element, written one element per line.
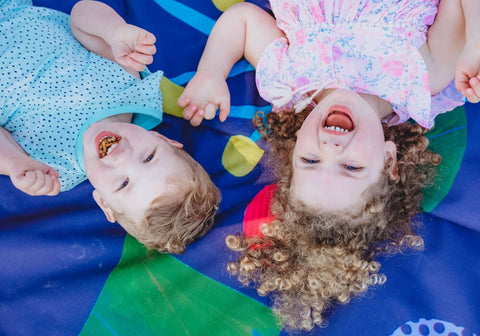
<point x="461" y="81"/>
<point x="41" y="184"/>
<point x="464" y="70"/>
<point x="472" y="97"/>
<point x="55" y="182"/>
<point x="224" y="112"/>
<point x="135" y="65"/>
<point x="45" y="184"/>
<point x="197" y="118"/>
<point x="31" y="182"/>
<point x="141" y="58"/>
<point x="474" y="92"/>
<point x="224" y="109"/>
<point x="148" y="38"/>
<point x="36" y="178"/>
<point x="146" y="49"/>
<point x="53" y="172"/>
<point x="189" y="112"/>
<point x="55" y="187"/>
<point x="462" y="86"/>
<point x="23" y="182"/>
<point x="125" y="60"/>
<point x="210" y="111"/>
<point x="183" y="100"/>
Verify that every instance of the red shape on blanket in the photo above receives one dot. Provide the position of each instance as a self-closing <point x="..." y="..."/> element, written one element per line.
<point x="258" y="212"/>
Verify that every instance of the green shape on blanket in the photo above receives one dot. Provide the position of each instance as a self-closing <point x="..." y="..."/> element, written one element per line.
<point x="223" y="5"/>
<point x="149" y="293"/>
<point x="449" y="139"/>
<point x="171" y="92"/>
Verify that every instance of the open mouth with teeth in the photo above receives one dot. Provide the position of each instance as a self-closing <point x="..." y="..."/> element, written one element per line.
<point x="338" y="121"/>
<point x="107" y="144"/>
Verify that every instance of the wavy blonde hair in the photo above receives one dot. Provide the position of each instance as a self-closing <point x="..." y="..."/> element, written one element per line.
<point x="173" y="221"/>
<point x="310" y="261"/>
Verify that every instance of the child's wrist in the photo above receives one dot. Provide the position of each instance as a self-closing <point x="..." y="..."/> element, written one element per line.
<point x="211" y="72"/>
<point x="13" y="165"/>
<point x="471" y="11"/>
<point x="473" y="38"/>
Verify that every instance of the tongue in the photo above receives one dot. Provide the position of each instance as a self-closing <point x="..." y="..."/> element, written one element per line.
<point x="341" y="120"/>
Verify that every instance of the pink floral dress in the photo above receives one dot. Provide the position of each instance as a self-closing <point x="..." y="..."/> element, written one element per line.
<point x="369" y="46"/>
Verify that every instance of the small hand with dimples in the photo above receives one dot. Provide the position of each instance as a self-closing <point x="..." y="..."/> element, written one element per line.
<point x="467" y="76"/>
<point x="34" y="177"/>
<point x="132" y="46"/>
<point x="203" y="95"/>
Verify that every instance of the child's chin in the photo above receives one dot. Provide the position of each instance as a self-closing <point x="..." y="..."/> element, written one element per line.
<point x="90" y="171"/>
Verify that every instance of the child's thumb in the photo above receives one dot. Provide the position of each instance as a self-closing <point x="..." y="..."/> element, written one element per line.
<point x="183" y="100"/>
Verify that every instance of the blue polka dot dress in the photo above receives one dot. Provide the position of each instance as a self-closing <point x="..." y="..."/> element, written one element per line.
<point x="52" y="88"/>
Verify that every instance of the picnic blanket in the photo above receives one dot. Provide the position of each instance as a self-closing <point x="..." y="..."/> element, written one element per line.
<point x="65" y="270"/>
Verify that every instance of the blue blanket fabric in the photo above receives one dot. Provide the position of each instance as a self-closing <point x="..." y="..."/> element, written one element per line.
<point x="57" y="253"/>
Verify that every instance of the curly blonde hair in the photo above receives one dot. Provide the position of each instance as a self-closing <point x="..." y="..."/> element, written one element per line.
<point x="310" y="261"/>
<point x="172" y="221"/>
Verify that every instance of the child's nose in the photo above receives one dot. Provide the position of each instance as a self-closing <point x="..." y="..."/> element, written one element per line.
<point x="332" y="145"/>
<point x="120" y="155"/>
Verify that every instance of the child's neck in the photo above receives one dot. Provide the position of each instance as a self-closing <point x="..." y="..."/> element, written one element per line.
<point x="383" y="107"/>
<point x="125" y="117"/>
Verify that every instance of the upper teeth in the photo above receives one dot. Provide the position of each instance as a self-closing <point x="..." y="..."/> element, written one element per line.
<point x="336" y="129"/>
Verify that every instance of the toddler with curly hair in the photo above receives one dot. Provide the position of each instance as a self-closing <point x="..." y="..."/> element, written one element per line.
<point x="344" y="78"/>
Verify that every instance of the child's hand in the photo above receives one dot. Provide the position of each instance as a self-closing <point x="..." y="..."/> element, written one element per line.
<point x="467" y="75"/>
<point x="133" y="47"/>
<point x="204" y="94"/>
<point x="34" y="177"/>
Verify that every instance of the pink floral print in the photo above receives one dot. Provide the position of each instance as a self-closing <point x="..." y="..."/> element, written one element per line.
<point x="369" y="46"/>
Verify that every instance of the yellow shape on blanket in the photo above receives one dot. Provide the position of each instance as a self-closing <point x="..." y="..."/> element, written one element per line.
<point x="224" y="4"/>
<point x="241" y="155"/>
<point x="171" y="92"/>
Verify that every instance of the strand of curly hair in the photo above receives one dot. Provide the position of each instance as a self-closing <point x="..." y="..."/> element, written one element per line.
<point x="308" y="262"/>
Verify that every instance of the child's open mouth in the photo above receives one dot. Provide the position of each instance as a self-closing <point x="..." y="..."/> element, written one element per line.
<point x="339" y="120"/>
<point x="107" y="142"/>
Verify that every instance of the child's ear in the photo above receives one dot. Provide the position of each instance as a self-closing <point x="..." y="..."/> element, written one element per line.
<point x="105" y="208"/>
<point x="168" y="140"/>
<point x="391" y="159"/>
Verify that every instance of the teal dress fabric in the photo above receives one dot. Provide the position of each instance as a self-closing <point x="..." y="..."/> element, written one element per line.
<point x="53" y="88"/>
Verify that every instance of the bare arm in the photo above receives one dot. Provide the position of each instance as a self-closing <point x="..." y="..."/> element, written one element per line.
<point x="29" y="175"/>
<point x="9" y="150"/>
<point x="445" y="42"/>
<point x="244" y="30"/>
<point x="100" y="29"/>
<point x="471" y="10"/>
